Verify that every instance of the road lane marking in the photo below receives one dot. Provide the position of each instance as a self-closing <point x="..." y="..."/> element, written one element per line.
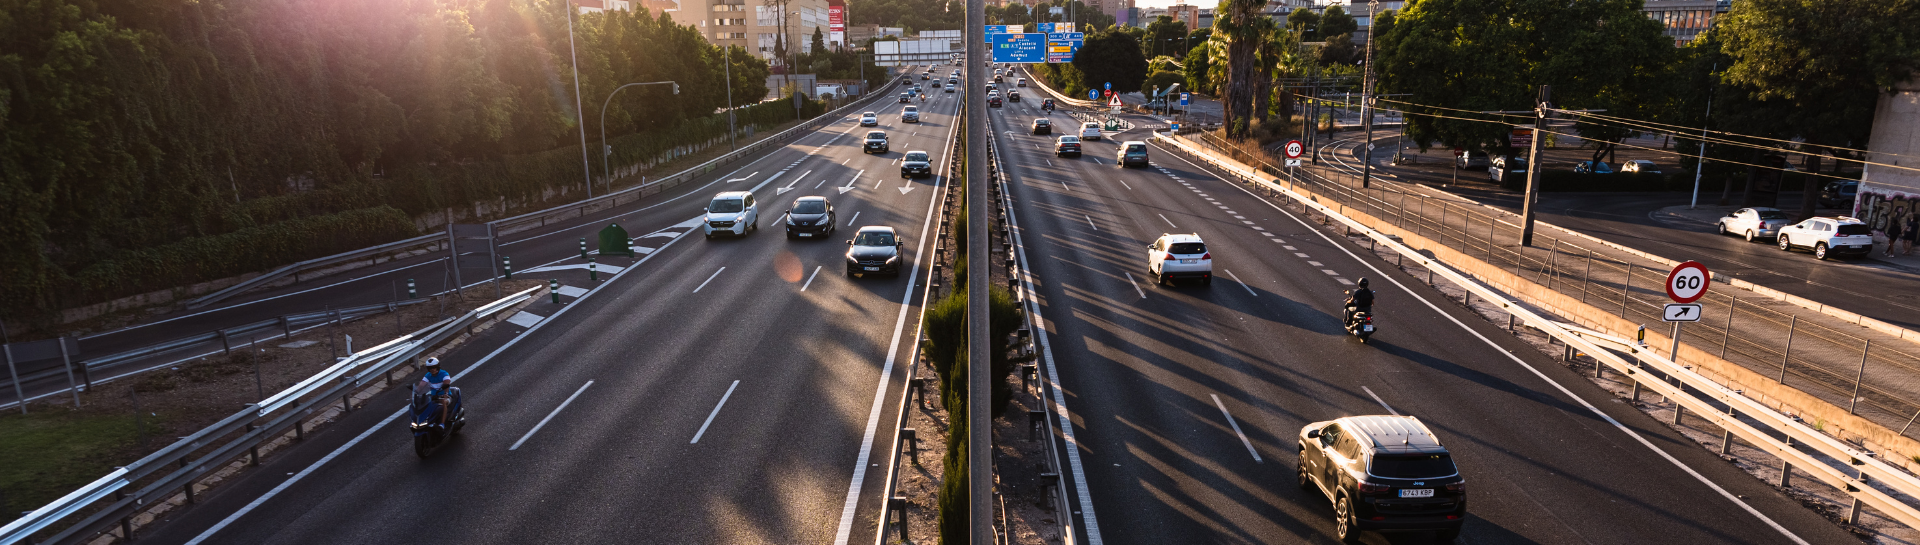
<point x="1330" y="272"/>
<point x="1124" y="182"/>
<point x="1049" y="161"/>
<point x="1343" y="281"/>
<point x="1236" y="278"/>
<point x="1136" y="286"/>
<point x="709" y="279"/>
<point x="1063" y="183"/>
<point x="543" y="421"/>
<point x="1236" y="429"/>
<point x="716" y="412"/>
<point x="1376" y="399"/>
<point x="1163" y="217"/>
<point x="816" y="272"/>
<point x="744" y="178"/>
<point x="1315" y="263"/>
<point x="1287" y="247"/>
<point x="856" y="216"/>
<point x="1297" y="254"/>
<point x="1090" y="222"/>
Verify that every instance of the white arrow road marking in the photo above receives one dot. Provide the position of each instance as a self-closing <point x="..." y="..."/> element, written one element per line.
<point x="744" y="178"/>
<point x="789" y="187"/>
<point x="850" y="187"/>
<point x="909" y="187"/>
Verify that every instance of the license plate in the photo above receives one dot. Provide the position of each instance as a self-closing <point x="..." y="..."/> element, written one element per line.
<point x="806" y="234"/>
<point x="1370" y="328"/>
<point x="1416" y="492"/>
<point x="871" y="268"/>
<point x="1189" y="261"/>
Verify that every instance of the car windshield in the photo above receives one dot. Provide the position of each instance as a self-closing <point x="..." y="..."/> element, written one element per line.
<point x="726" y="206"/>
<point x="873" y="238"/>
<point x="1772" y="215"/>
<point x="810" y="207"/>
<point x="1184" y="248"/>
<point x="1854" y="229"/>
<point x="1069" y="140"/>
<point x="1413" y="467"/>
<point x="917" y="156"/>
<point x="876" y="135"/>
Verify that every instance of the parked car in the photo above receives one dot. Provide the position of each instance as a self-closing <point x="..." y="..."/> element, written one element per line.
<point x="1132" y="152"/>
<point x="1469" y="160"/>
<point x="874" y="250"/>
<point x="1067" y="145"/>
<point x="1383" y="473"/>
<point x="910" y="114"/>
<point x="1500" y="167"/>
<point x="1592" y="167"/>
<point x="1639" y="166"/>
<point x="876" y="143"/>
<point x="1828" y="236"/>
<point x="869" y="119"/>
<point x="1839" y="193"/>
<point x="1179" y="256"/>
<point x="1042" y="126"/>
<point x="1090" y="131"/>
<point x="1752" y="223"/>
<point x="731" y="212"/>
<point x="810" y="217"/>
<point x="917" y="164"/>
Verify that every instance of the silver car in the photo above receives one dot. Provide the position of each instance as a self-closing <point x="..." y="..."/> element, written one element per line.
<point x="732" y="213"/>
<point x="1752" y="223"/>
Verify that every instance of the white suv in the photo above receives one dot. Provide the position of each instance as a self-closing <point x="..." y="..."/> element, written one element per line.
<point x="1828" y="236"/>
<point x="1180" y="256"/>
<point x="731" y="212"/>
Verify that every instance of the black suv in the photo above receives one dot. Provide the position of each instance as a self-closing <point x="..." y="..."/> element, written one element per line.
<point x="1383" y="473"/>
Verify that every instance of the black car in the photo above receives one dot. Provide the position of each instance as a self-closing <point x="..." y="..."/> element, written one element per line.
<point x="993" y="102"/>
<point x="1067" y="145"/>
<point x="906" y="97"/>
<point x="1042" y="126"/>
<point x="1837" y="194"/>
<point x="810" y="217"/>
<point x="876" y="142"/>
<point x="874" y="250"/>
<point x="1383" y="474"/>
<point x="1013" y="96"/>
<point x="917" y="164"/>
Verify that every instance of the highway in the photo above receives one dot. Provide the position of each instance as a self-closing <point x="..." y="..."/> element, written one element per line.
<point x="720" y="391"/>
<point x="1185" y="401"/>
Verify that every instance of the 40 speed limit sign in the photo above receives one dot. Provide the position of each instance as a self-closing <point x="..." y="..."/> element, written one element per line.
<point x="1688" y="282"/>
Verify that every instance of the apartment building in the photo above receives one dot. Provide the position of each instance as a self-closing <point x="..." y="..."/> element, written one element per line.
<point x="1686" y="19"/>
<point x="1189" y="14"/>
<point x="754" y="24"/>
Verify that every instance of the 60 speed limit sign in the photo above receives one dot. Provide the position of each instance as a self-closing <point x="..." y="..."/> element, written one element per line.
<point x="1688" y="282"/>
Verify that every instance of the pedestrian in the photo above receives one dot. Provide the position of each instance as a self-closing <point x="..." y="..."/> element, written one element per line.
<point x="1910" y="229"/>
<point x="1894" y="231"/>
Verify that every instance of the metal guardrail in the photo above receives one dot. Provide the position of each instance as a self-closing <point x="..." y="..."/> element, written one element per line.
<point x="334" y="385"/>
<point x="538" y="218"/>
<point x="1599" y="346"/>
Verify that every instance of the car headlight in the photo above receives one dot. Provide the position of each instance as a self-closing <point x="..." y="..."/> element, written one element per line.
<point x="790" y="220"/>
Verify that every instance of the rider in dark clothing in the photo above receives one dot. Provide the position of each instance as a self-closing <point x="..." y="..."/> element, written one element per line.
<point x="1359" y="300"/>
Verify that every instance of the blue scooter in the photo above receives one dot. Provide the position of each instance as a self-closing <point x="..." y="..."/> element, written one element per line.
<point x="428" y="432"/>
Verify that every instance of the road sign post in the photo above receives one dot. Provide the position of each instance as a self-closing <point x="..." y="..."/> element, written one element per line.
<point x="1687" y="283"/>
<point x="1294" y="149"/>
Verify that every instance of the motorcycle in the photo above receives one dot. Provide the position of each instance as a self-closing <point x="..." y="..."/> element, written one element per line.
<point x="428" y="433"/>
<point x="1359" y="323"/>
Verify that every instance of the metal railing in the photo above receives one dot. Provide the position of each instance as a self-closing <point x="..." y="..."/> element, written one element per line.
<point x="176" y="466"/>
<point x="1719" y="404"/>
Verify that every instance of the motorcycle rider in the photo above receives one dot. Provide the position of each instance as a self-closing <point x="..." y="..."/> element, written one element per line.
<point x="1359" y="300"/>
<point x="438" y="383"/>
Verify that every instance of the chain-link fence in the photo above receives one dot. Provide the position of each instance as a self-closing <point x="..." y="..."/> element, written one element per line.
<point x="1874" y="375"/>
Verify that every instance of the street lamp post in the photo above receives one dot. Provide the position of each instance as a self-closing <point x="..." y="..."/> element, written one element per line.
<point x="1366" y="103"/>
<point x="606" y="151"/>
<point x="580" y="115"/>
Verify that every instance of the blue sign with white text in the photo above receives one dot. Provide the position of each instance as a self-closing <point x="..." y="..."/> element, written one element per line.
<point x="1062" y="45"/>
<point x="1183" y="99"/>
<point x="1005" y="29"/>
<point x="1022" y="48"/>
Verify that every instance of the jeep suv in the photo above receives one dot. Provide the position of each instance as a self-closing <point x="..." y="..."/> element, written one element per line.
<point x="1383" y="474"/>
<point x="876" y="142"/>
<point x="1827" y="237"/>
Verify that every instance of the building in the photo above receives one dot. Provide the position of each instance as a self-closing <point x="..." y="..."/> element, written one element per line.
<point x="597" y="6"/>
<point x="1686" y="19"/>
<point x="1892" y="194"/>
<point x="756" y="25"/>
<point x="859" y="34"/>
<point x="1206" y="18"/>
<point x="1189" y="14"/>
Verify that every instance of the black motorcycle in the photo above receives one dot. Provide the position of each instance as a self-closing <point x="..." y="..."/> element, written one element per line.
<point x="428" y="432"/>
<point x="1359" y="322"/>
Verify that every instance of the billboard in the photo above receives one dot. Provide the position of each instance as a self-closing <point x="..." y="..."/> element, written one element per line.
<point x="1023" y="48"/>
<point x="837" y="23"/>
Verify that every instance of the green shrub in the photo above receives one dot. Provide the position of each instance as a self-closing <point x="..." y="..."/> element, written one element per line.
<point x="953" y="500"/>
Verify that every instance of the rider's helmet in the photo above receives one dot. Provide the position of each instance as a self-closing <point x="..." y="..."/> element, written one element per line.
<point x="433" y="364"/>
<point x="1363" y="282"/>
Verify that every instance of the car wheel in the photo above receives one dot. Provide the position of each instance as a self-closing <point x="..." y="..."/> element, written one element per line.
<point x="1820" y="250"/>
<point x="1750" y="235"/>
<point x="1300" y="471"/>
<point x="709" y="236"/>
<point x="1343" y="521"/>
<point x="1722" y="226"/>
<point x="1446" y="536"/>
<point x="1784" y="245"/>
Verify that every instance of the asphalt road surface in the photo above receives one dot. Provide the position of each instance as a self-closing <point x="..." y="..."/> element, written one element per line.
<point x="723" y="391"/>
<point x="1151" y="374"/>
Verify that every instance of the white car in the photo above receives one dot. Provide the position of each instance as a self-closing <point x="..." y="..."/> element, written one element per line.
<point x="1828" y="236"/>
<point x="1090" y="131"/>
<point x="910" y="114"/>
<point x="731" y="212"/>
<point x="1179" y="256"/>
<point x="1752" y="223"/>
<point x="1022" y="82"/>
<point x="869" y="119"/>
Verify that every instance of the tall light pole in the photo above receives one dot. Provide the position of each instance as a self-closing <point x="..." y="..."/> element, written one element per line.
<point x="1366" y="103"/>
<point x="606" y="150"/>
<point x="579" y="111"/>
<point x="728" y="64"/>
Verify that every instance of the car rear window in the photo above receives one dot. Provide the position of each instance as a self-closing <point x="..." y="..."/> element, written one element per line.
<point x="1184" y="248"/>
<point x="810" y="207"/>
<point x="912" y="109"/>
<point x="1041" y="122"/>
<point x="916" y="156"/>
<point x="1137" y="148"/>
<point x="1421" y="466"/>
<point x="1069" y="140"/>
<point x="726" y="206"/>
<point x="1854" y="229"/>
<point x="1772" y="215"/>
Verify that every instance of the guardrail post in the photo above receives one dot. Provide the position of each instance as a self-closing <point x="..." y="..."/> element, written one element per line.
<point x="126" y="523"/>
<point x="507" y="265"/>
<point x="253" y="453"/>
<point x="553" y="287"/>
<point x="1786" y="468"/>
<point x="897" y="505"/>
<point x="910" y="435"/>
<point x="1726" y="440"/>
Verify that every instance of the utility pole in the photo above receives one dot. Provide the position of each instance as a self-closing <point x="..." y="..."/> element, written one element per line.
<point x="1699" y="167"/>
<point x="1541" y="105"/>
<point x="579" y="111"/>
<point x="1366" y="104"/>
<point x="728" y="63"/>
<point x="979" y="356"/>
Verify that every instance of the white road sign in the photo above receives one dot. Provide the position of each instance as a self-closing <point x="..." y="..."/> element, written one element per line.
<point x="1295" y="148"/>
<point x="1677" y="312"/>
<point x="1688" y="282"/>
<point x="1292" y="163"/>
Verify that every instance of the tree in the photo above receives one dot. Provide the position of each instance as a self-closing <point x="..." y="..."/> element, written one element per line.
<point x="1163" y="80"/>
<point x="1113" y="57"/>
<point x="1341" y="50"/>
<point x="1165" y="36"/>
<point x="1197" y="64"/>
<point x="819" y="42"/>
<point x="1235" y="26"/>
<point x="1306" y="22"/>
<point x="1337" y="22"/>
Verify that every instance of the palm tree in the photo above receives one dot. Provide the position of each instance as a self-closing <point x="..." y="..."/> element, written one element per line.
<point x="1236" y="22"/>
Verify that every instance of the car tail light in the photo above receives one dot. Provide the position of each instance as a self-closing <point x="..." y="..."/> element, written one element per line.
<point x="1458" y="487"/>
<point x="1371" y="488"/>
<point x="1168" y="257"/>
<point x="1206" y="256"/>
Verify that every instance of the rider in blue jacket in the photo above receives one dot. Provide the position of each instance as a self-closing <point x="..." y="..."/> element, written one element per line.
<point x="437" y="382"/>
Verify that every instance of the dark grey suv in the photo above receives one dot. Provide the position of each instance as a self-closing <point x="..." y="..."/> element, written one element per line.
<point x="1384" y="474"/>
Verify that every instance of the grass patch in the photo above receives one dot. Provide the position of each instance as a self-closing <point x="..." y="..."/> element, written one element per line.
<point x="50" y="452"/>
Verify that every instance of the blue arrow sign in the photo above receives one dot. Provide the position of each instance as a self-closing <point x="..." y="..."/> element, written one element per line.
<point x="1093" y="94"/>
<point x="1021" y="48"/>
<point x="1109" y="86"/>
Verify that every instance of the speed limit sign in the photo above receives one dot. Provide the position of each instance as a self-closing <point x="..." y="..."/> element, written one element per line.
<point x="1688" y="282"/>
<point x="1294" y="149"/>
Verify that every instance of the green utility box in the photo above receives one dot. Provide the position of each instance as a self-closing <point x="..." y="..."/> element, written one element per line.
<point x="613" y="241"/>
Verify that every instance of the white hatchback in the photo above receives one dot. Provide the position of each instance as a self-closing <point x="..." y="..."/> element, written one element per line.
<point x="1090" y="131"/>
<point x="1828" y="237"/>
<point x="731" y="212"/>
<point x="1179" y="256"/>
<point x="869" y="119"/>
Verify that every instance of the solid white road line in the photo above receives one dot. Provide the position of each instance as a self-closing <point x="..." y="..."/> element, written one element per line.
<point x="1136" y="286"/>
<point x="1236" y="278"/>
<point x="1536" y="372"/>
<point x="1236" y="429"/>
<point x="709" y="279"/>
<point x="1163" y="217"/>
<point x="1124" y="182"/>
<point x="716" y="412"/>
<point x="543" y="421"/>
<point x="1376" y="399"/>
<point x="816" y="272"/>
<point x="856" y="216"/>
<point x="257" y="502"/>
<point x="1090" y="222"/>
